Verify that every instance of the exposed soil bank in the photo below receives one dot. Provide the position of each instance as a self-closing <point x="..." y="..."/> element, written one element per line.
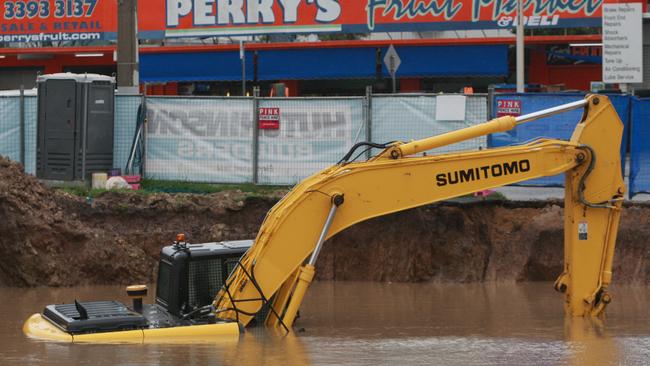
<point x="52" y="238"/>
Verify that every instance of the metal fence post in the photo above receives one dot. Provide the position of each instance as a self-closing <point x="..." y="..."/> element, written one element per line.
<point x="22" y="125"/>
<point x="368" y="115"/>
<point x="143" y="158"/>
<point x="256" y="134"/>
<point x="490" y="99"/>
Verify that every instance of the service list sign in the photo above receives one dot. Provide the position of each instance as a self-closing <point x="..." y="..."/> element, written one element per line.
<point x="622" y="43"/>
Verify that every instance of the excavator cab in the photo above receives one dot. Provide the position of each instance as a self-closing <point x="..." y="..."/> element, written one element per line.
<point x="190" y="274"/>
<point x="188" y="277"/>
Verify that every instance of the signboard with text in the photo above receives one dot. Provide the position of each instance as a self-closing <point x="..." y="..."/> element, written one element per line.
<point x="57" y="20"/>
<point x="157" y="19"/>
<point x="508" y="107"/>
<point x="269" y="118"/>
<point x="226" y="18"/>
<point x="622" y="43"/>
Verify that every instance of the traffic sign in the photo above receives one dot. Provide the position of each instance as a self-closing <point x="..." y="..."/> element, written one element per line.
<point x="392" y="60"/>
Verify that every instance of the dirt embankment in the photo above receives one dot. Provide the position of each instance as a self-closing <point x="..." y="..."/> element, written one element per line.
<point x="48" y="237"/>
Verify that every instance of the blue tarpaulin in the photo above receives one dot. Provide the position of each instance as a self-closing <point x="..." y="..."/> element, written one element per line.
<point x="640" y="147"/>
<point x="559" y="126"/>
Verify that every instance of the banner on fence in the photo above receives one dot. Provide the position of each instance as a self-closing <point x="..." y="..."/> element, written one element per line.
<point x="204" y="140"/>
<point x="406" y="118"/>
<point x="313" y="135"/>
<point x="211" y="140"/>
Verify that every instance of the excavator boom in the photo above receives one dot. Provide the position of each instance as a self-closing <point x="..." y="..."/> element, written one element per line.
<point x="275" y="273"/>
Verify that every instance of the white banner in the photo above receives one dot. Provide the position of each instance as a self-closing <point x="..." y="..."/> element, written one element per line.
<point x="407" y="118"/>
<point x="211" y="140"/>
<point x="313" y="135"/>
<point x="199" y="140"/>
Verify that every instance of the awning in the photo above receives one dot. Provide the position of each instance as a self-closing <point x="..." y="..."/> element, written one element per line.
<point x="441" y="61"/>
<point x="194" y="66"/>
<point x="323" y="63"/>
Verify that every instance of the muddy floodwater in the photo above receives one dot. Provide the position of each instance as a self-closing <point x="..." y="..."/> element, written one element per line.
<point x="374" y="324"/>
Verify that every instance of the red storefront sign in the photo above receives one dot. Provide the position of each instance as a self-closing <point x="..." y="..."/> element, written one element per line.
<point x="57" y="20"/>
<point x="506" y="107"/>
<point x="217" y="17"/>
<point x="269" y="118"/>
<point x="61" y="20"/>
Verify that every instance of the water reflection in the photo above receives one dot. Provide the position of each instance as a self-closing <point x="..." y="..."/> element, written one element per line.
<point x="262" y="348"/>
<point x="370" y="324"/>
<point x="590" y="343"/>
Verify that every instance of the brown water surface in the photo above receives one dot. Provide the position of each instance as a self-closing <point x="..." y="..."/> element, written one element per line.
<point x="374" y="324"/>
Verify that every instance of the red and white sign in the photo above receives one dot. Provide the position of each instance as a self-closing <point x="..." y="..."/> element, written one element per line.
<point x="205" y="18"/>
<point x="57" y="20"/>
<point x="269" y="118"/>
<point x="91" y="20"/>
<point x="508" y="108"/>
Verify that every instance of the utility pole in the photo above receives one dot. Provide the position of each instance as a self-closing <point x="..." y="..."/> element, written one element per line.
<point x="127" y="47"/>
<point x="520" y="46"/>
<point x="242" y="57"/>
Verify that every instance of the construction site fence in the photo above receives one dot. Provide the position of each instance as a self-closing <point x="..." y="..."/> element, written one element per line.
<point x="217" y="139"/>
<point x="18" y="129"/>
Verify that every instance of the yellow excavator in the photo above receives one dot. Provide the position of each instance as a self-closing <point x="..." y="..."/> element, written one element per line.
<point x="267" y="284"/>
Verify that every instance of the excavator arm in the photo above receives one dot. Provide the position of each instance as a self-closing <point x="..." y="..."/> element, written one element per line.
<point x="275" y="273"/>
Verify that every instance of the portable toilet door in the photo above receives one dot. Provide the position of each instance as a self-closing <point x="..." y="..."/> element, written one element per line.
<point x="95" y="145"/>
<point x="57" y="127"/>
